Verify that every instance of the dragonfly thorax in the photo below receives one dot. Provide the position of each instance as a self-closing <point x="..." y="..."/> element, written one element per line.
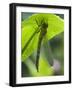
<point x="43" y="28"/>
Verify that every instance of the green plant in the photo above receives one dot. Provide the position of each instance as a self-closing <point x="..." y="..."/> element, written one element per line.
<point x="36" y="31"/>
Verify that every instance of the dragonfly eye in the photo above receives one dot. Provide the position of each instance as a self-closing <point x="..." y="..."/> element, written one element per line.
<point x="44" y="25"/>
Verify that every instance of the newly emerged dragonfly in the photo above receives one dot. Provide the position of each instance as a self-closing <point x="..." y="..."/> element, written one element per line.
<point x="42" y="28"/>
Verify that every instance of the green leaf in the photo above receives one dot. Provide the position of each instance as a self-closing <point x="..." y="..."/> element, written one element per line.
<point x="30" y="34"/>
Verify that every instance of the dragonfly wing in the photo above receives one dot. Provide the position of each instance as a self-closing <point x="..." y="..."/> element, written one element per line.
<point x="47" y="51"/>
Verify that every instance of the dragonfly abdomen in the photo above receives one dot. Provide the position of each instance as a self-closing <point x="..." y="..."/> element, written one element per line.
<point x="38" y="51"/>
<point x="41" y="36"/>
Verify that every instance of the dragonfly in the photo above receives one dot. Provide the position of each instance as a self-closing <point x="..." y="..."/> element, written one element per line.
<point x="42" y="28"/>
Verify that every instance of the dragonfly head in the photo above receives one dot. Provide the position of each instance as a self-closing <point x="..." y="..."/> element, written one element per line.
<point x="44" y="27"/>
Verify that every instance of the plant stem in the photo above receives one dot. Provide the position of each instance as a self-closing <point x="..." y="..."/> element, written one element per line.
<point x="29" y="41"/>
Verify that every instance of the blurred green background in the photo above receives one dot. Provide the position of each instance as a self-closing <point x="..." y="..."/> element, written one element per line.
<point x="53" y="50"/>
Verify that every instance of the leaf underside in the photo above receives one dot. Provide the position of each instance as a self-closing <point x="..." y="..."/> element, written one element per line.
<point x="29" y="26"/>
